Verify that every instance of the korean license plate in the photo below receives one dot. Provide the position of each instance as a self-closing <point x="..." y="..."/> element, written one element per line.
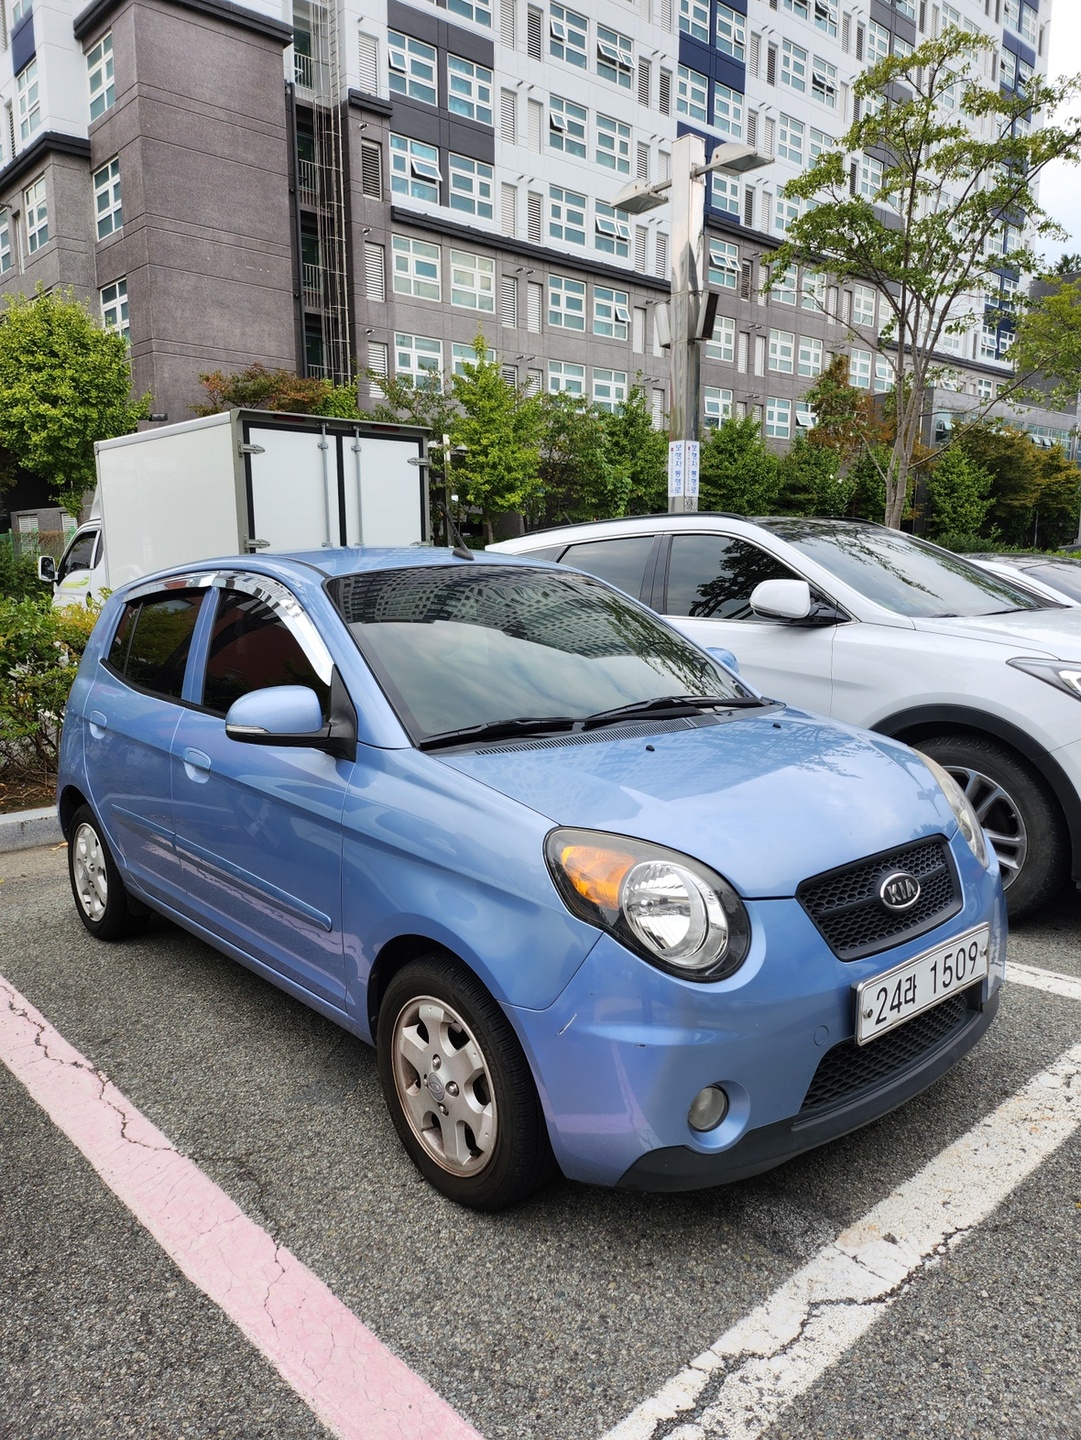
<point x="894" y="997"/>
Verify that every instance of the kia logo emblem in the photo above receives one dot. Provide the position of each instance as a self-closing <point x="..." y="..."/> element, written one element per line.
<point x="898" y="890"/>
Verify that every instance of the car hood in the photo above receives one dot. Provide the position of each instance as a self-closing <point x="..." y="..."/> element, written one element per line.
<point x="1053" y="633"/>
<point x="766" y="799"/>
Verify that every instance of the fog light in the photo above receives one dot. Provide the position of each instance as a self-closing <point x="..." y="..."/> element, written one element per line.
<point x="708" y="1108"/>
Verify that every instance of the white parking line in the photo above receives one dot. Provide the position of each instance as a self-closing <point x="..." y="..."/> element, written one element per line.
<point x="739" y="1386"/>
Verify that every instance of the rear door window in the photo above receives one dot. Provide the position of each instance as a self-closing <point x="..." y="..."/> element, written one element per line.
<point x="712" y="576"/>
<point x="621" y="562"/>
<point x="151" y="644"/>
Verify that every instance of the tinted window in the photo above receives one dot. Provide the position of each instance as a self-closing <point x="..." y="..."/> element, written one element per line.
<point x="1063" y="576"/>
<point x="621" y="562"/>
<point x="479" y="644"/>
<point x="80" y="556"/>
<point x="712" y="576"/>
<point x="903" y="574"/>
<point x="251" y="649"/>
<point x="152" y="641"/>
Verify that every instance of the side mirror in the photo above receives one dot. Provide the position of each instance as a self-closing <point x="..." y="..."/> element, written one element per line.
<point x="278" y="715"/>
<point x="782" y="599"/>
<point x="727" y="659"/>
<point x="47" y="569"/>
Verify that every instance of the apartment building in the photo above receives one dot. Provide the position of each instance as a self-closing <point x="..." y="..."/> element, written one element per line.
<point x="373" y="183"/>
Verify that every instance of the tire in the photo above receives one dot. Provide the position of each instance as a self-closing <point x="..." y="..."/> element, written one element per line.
<point x="101" y="897"/>
<point x="458" y="1087"/>
<point x="1018" y="810"/>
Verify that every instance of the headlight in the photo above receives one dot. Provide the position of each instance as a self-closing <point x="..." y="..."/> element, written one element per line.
<point x="670" y="909"/>
<point x="967" y="819"/>
<point x="1062" y="674"/>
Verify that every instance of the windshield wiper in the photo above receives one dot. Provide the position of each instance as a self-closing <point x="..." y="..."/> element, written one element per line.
<point x="671" y="705"/>
<point x="499" y="729"/>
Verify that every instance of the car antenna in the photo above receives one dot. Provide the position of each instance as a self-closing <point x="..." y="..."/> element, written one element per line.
<point x="461" y="549"/>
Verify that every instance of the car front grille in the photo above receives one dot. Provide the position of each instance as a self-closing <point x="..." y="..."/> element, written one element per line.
<point x="848" y="914"/>
<point x="849" y="1069"/>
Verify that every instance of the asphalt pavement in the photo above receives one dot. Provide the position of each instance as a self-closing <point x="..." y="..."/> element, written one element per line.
<point x="550" y="1322"/>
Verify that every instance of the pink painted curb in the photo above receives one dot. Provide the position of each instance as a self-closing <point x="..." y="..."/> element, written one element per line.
<point x="352" y="1382"/>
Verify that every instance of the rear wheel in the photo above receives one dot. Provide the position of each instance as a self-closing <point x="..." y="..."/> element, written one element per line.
<point x="101" y="898"/>
<point x="458" y="1087"/>
<point x="1017" y="810"/>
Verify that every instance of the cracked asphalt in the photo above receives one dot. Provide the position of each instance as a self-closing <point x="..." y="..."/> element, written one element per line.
<point x="548" y="1323"/>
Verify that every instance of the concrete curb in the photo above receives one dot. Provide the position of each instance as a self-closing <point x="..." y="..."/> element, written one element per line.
<point x="23" y="829"/>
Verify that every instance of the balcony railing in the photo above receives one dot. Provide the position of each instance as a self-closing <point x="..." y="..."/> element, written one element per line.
<point x="308" y="186"/>
<point x="312" y="281"/>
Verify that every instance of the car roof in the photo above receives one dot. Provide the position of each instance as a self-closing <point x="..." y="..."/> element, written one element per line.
<point x="692" y="519"/>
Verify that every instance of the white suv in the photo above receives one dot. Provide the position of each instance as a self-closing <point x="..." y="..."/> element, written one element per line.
<point x="872" y="626"/>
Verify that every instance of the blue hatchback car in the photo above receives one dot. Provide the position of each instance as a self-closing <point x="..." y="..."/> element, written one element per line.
<point x="600" y="906"/>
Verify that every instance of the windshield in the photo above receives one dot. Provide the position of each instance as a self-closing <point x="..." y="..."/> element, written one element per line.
<point x="456" y="647"/>
<point x="903" y="574"/>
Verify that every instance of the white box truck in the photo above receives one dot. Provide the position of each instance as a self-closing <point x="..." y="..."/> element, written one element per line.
<point x="241" y="481"/>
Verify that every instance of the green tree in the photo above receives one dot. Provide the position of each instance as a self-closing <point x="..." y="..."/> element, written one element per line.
<point x="958" y="500"/>
<point x="64" y="383"/>
<point x="498" y="428"/>
<point x="638" y="455"/>
<point x="577" y="479"/>
<point x="946" y="170"/>
<point x="1034" y="492"/>
<point x="737" y="472"/>
<point x="811" y="481"/>
<point x="259" y="388"/>
<point x="846" y="421"/>
<point x="1047" y="346"/>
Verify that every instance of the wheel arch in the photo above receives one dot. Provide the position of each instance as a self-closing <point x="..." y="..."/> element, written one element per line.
<point x="915" y="724"/>
<point x="393" y="956"/>
<point x="71" y="797"/>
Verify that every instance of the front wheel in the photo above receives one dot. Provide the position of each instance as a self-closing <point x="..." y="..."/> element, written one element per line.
<point x="459" y="1088"/>
<point x="101" y="898"/>
<point x="1018" y="812"/>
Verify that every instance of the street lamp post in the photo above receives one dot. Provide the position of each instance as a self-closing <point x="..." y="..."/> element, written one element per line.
<point x="690" y="309"/>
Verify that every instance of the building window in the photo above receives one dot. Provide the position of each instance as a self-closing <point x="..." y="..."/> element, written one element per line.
<point x="722" y="344"/>
<point x="567" y="216"/>
<point x="29" y="100"/>
<point x="5" y="242"/>
<point x="878" y="42"/>
<point x="418" y="359"/>
<point x="472" y="281"/>
<point x="609" y="389"/>
<point x="725" y="193"/>
<point x="414" y="169"/>
<point x="99" y="74"/>
<point x="37" y="215"/>
<point x="731" y="32"/>
<point x="785" y="212"/>
<point x="462" y="355"/>
<point x="613" y="145"/>
<point x="114" y="306"/>
<point x="569" y="36"/>
<point x="794" y="67"/>
<point x="694" y="18"/>
<point x="728" y="111"/>
<point x="825" y="15"/>
<point x="469" y="90"/>
<point x="416" y="268"/>
<point x="108" y="211"/>
<point x="863" y="305"/>
<point x="611" y="312"/>
<point x="782" y="347"/>
<point x="566" y="303"/>
<point x="813" y="292"/>
<point x="784" y="291"/>
<point x="824" y="82"/>
<point x="790" y="135"/>
<point x="717" y="404"/>
<point x="612" y="231"/>
<point x="818" y="142"/>
<point x="723" y="264"/>
<point x="566" y="379"/>
<point x="859" y="369"/>
<point x="567" y="126"/>
<point x="412" y="67"/>
<point x="470" y="186"/>
<point x="479" y="11"/>
<point x="615" y="56"/>
<point x="18" y="10"/>
<point x="810" y="357"/>
<point x="870" y="176"/>
<point x="883" y="375"/>
<point x="692" y="93"/>
<point x="778" y="418"/>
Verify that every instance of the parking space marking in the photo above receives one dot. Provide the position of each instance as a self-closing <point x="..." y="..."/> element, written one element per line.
<point x="1050" y="981"/>
<point x="352" y="1382"/>
<point x="739" y="1386"/>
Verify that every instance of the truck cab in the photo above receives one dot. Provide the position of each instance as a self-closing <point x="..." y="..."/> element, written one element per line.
<point x="80" y="576"/>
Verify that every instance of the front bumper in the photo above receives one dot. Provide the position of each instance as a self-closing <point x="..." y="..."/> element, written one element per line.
<point x="622" y="1053"/>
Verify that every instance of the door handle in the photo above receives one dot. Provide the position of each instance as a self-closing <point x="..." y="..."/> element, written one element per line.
<point x="99" y="723"/>
<point x="196" y="765"/>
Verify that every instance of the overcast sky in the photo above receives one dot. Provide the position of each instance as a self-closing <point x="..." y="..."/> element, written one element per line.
<point x="1060" y="185"/>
